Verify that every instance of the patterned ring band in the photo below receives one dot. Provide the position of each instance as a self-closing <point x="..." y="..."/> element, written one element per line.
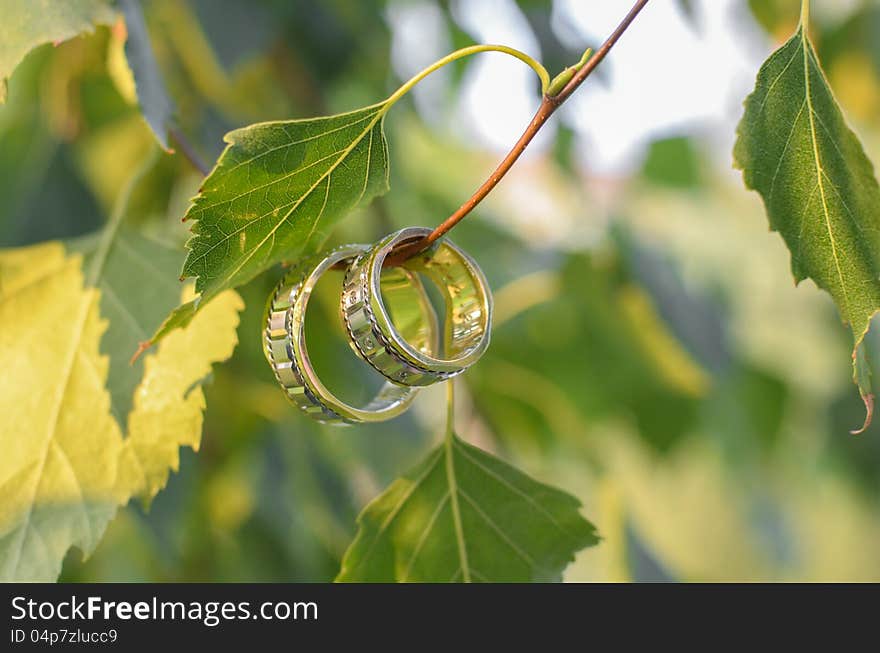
<point x="468" y="311"/>
<point x="285" y="347"/>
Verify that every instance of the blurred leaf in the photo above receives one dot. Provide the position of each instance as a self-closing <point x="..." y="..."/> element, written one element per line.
<point x="850" y="51"/>
<point x="58" y="473"/>
<point x="855" y="77"/>
<point x="152" y="97"/>
<point x="673" y="363"/>
<point x="693" y="475"/>
<point x="610" y="352"/>
<point x="168" y="402"/>
<point x="28" y="23"/>
<point x="644" y="567"/>
<point x="564" y="148"/>
<point x="117" y="65"/>
<point x="137" y="289"/>
<point x="178" y="24"/>
<point x="274" y="192"/>
<point x="463" y="515"/>
<point x="52" y="201"/>
<point x="107" y="155"/>
<point x="66" y="466"/>
<point x="746" y="412"/>
<point x="673" y="162"/>
<point x="777" y="17"/>
<point x="818" y="186"/>
<point x="555" y="55"/>
<point x="857" y="32"/>
<point x="692" y="319"/>
<point x="688" y="9"/>
<point x="68" y="404"/>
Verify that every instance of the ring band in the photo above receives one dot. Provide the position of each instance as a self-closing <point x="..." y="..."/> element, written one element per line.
<point x="468" y="311"/>
<point x="285" y="347"/>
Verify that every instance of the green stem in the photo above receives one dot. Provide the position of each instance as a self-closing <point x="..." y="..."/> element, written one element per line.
<point x="542" y="73"/>
<point x="452" y="482"/>
<point x="805" y="13"/>
<point x="450" y="410"/>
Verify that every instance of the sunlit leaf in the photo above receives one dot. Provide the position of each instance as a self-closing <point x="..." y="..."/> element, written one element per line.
<point x="818" y="186"/>
<point x="276" y="190"/>
<point x="70" y="458"/>
<point x="464" y="515"/>
<point x="137" y="288"/>
<point x="169" y="402"/>
<point x="60" y="441"/>
<point x="25" y="24"/>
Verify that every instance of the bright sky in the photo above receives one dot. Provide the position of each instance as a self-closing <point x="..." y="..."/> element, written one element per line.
<point x="665" y="77"/>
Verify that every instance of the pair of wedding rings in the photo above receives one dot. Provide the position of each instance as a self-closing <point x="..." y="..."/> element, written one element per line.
<point x="390" y="321"/>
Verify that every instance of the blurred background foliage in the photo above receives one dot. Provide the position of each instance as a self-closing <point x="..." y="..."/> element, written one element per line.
<point x="652" y="355"/>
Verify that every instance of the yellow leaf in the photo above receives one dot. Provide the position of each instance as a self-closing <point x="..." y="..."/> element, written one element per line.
<point x="674" y="364"/>
<point x="168" y="403"/>
<point x="117" y="65"/>
<point x="60" y="444"/>
<point x="66" y="466"/>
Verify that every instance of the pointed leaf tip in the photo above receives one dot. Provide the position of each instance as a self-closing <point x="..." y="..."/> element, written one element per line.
<point x="869" y="414"/>
<point x="464" y="496"/>
<point x="820" y="192"/>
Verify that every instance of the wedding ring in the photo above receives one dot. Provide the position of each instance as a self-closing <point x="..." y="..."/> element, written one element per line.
<point x="468" y="311"/>
<point x="285" y="346"/>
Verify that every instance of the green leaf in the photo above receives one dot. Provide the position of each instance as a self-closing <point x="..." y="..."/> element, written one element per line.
<point x="673" y="162"/>
<point x="138" y="288"/>
<point x="818" y="186"/>
<point x="25" y="24"/>
<point x="594" y="299"/>
<point x="464" y="515"/>
<point x="155" y="104"/>
<point x="776" y="16"/>
<point x="274" y="193"/>
<point x="177" y="319"/>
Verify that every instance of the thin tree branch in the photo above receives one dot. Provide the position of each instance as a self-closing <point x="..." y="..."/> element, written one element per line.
<point x="547" y="108"/>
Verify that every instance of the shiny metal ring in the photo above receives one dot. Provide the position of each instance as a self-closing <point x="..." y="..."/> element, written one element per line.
<point x="285" y="346"/>
<point x="468" y="311"/>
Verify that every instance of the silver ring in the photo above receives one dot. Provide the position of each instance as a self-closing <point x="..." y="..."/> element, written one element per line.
<point x="285" y="348"/>
<point x="468" y="311"/>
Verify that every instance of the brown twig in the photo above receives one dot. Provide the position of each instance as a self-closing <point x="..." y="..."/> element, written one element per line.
<point x="548" y="106"/>
<point x="188" y="151"/>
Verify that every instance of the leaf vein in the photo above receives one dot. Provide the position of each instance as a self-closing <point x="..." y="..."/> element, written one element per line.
<point x="819" y="176"/>
<point x="491" y="524"/>
<point x="292" y="143"/>
<point x="253" y="250"/>
<point x="784" y="151"/>
<point x="424" y="536"/>
<point x="503" y="481"/>
<point x="397" y="508"/>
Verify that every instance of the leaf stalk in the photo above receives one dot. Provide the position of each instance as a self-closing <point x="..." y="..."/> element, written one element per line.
<point x="548" y="106"/>
<point x="542" y="73"/>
